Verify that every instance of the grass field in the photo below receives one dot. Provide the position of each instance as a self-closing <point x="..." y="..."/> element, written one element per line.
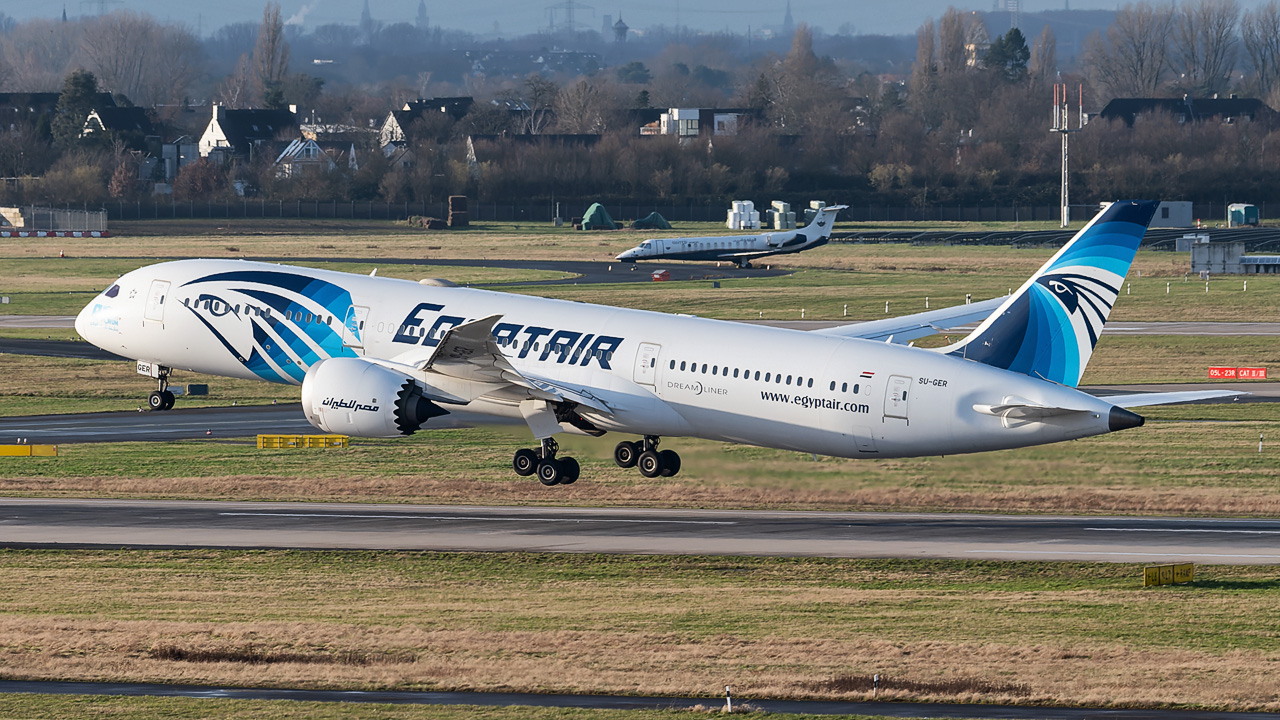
<point x="1059" y="633"/>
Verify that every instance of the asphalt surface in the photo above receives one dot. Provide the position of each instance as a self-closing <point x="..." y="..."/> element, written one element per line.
<point x="43" y="522"/>
<point x="183" y="424"/>
<point x="55" y="348"/>
<point x="623" y="702"/>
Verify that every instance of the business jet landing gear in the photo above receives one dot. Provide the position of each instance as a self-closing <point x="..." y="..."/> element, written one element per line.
<point x="744" y="264"/>
<point x="543" y="462"/>
<point x="161" y="398"/>
<point x="645" y="453"/>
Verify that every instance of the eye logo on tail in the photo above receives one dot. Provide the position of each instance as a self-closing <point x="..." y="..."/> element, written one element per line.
<point x="1085" y="298"/>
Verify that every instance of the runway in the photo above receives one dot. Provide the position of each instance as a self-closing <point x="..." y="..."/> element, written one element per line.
<point x="40" y="522"/>
<point x="184" y="424"/>
<point x="626" y="702"/>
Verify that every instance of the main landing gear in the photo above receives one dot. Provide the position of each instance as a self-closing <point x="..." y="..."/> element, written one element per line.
<point x="646" y="455"/>
<point x="161" y="398"/>
<point x="543" y="462"/>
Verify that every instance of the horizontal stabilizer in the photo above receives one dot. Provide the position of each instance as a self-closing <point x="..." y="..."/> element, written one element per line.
<point x="906" y="328"/>
<point x="1167" y="398"/>
<point x="1026" y="410"/>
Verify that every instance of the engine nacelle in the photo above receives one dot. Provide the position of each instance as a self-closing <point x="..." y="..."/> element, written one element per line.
<point x="352" y="396"/>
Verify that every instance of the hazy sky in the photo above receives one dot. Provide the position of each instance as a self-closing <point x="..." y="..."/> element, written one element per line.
<point x="516" y="17"/>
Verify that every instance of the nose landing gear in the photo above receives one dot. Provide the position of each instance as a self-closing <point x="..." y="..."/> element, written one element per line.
<point x="161" y="398"/>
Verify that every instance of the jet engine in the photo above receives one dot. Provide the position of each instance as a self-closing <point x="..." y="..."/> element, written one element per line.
<point x="352" y="396"/>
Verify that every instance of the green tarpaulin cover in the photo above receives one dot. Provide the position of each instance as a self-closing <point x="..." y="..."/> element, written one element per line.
<point x="597" y="218"/>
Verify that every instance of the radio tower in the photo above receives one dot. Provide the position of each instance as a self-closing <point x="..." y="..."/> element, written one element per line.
<point x="1062" y="125"/>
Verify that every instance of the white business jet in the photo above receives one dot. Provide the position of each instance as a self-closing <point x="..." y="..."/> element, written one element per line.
<point x="741" y="249"/>
<point x="380" y="357"/>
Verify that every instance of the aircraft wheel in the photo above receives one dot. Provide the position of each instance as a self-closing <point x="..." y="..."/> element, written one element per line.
<point x="525" y="462"/>
<point x="550" y="472"/>
<point x="626" y="453"/>
<point x="650" y="464"/>
<point x="569" y="470"/>
<point x="155" y="400"/>
<point x="169" y="400"/>
<point x="670" y="462"/>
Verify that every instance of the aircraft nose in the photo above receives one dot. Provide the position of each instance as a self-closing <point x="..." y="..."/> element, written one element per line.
<point x="82" y="320"/>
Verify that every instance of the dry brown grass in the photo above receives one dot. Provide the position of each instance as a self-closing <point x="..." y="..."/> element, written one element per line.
<point x="769" y="628"/>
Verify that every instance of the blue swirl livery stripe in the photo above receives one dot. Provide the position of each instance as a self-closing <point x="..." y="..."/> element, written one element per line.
<point x="320" y="333"/>
<point x="1049" y="328"/>
<point x="291" y="353"/>
<point x="276" y="353"/>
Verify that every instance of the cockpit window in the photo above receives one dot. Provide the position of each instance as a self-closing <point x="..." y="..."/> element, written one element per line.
<point x="112" y="291"/>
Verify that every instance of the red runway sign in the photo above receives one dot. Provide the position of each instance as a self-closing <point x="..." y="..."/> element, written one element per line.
<point x="1231" y="373"/>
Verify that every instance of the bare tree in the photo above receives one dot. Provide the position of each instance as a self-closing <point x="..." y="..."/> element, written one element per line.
<point x="271" y="56"/>
<point x="1132" y="59"/>
<point x="235" y="89"/>
<point x="924" y="74"/>
<point x="580" y="108"/>
<point x="952" y="36"/>
<point x="1044" y="57"/>
<point x="42" y="53"/>
<point x="1260" y="33"/>
<point x="1205" y="44"/>
<point x="146" y="61"/>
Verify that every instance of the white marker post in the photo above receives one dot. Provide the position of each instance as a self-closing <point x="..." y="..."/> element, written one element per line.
<point x="728" y="699"/>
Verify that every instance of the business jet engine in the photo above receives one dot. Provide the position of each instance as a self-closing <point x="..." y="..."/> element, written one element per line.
<point x="352" y="396"/>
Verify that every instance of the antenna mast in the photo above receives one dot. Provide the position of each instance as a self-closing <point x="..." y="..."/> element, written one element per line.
<point x="1062" y="126"/>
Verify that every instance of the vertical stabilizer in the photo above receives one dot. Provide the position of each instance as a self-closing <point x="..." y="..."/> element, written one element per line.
<point x="823" y="221"/>
<point x="1049" y="327"/>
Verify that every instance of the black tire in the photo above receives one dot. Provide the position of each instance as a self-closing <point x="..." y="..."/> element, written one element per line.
<point x="155" y="400"/>
<point x="525" y="462"/>
<point x="650" y="464"/>
<point x="670" y="462"/>
<point x="169" y="400"/>
<point x="569" y="469"/>
<point x="550" y="472"/>
<point x="626" y="454"/>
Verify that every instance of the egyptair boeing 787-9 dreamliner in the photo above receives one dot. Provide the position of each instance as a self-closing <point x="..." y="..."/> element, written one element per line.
<point x="381" y="357"/>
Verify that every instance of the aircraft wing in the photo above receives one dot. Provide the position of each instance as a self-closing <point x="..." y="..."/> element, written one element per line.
<point x="910" y="327"/>
<point x="1167" y="398"/>
<point x="468" y="353"/>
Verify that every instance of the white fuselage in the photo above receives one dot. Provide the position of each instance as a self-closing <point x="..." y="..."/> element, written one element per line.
<point x="658" y="374"/>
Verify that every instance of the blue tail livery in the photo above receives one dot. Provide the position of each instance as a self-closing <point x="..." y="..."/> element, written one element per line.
<point x="1049" y="327"/>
